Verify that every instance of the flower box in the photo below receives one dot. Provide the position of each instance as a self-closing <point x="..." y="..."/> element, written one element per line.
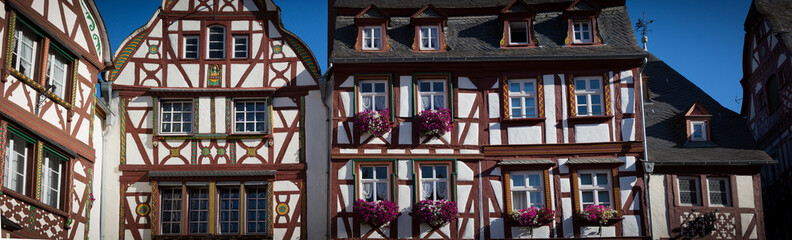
<point x="434" y="122"/>
<point x="435" y="213"/>
<point x="599" y="214"/>
<point x="533" y="216"/>
<point x="376" y="214"/>
<point x="374" y="122"/>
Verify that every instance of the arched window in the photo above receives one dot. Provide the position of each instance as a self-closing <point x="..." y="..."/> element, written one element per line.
<point x="216" y="42"/>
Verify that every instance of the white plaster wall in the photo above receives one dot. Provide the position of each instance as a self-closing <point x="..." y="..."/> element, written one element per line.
<point x="527" y="233"/>
<point x="466" y="101"/>
<point x="94" y="231"/>
<point x="240" y="25"/>
<point x="405" y="207"/>
<point x="628" y="129"/>
<point x="204" y="120"/>
<point x="659" y="211"/>
<point x="631" y="226"/>
<point x="495" y="134"/>
<point x="493" y="102"/>
<point x="745" y="191"/>
<point x="220" y="121"/>
<point x="596" y="231"/>
<point x="566" y="214"/>
<point x="110" y="194"/>
<point x="628" y="100"/>
<point x="548" y="82"/>
<point x="496" y="228"/>
<point x="317" y="175"/>
<point x="465" y="83"/>
<point x="525" y="135"/>
<point x="405" y="101"/>
<point x="587" y="133"/>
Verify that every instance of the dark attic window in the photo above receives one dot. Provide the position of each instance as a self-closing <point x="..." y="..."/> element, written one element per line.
<point x="518" y="32"/>
<point x="773" y="100"/>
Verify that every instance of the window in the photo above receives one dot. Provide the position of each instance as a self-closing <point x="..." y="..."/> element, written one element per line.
<point x="719" y="191"/>
<point x="698" y="131"/>
<point x="229" y="210"/>
<point x="526" y="190"/>
<point x="518" y="32"/>
<point x="198" y="218"/>
<point x="51" y="184"/>
<point x="240" y="46"/>
<point x="251" y="116"/>
<point x="191" y="44"/>
<point x="57" y="67"/>
<point x="372" y="38"/>
<point x="171" y="210"/>
<point x="16" y="166"/>
<point x="595" y="188"/>
<point x="588" y="95"/>
<point x="773" y="100"/>
<point x="434" y="182"/>
<point x="689" y="191"/>
<point x="429" y="37"/>
<point x="522" y="98"/>
<point x="25" y="50"/>
<point x="257" y="210"/>
<point x="216" y="42"/>
<point x="582" y="31"/>
<point x="176" y="117"/>
<point x="374" y="183"/>
<point x="373" y="95"/>
<point x="431" y="94"/>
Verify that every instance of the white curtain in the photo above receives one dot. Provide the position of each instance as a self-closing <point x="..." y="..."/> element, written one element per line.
<point x="427" y="190"/>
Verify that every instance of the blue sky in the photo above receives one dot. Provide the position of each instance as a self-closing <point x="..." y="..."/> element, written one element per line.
<point x="701" y="40"/>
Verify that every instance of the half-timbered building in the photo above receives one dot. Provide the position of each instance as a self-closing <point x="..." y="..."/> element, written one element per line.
<point x="702" y="163"/>
<point x="219" y="114"/>
<point x="50" y="123"/>
<point x="544" y="112"/>
<point x="767" y="104"/>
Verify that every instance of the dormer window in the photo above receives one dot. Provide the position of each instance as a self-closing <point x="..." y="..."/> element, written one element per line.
<point x="429" y="38"/>
<point x="582" y="31"/>
<point x="698" y="131"/>
<point x="372" y="38"/>
<point x="518" y="33"/>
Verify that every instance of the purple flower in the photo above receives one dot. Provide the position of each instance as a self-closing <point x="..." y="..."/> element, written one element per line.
<point x="436" y="213"/>
<point x="377" y="213"/>
<point x="598" y="213"/>
<point x="434" y="122"/>
<point x="375" y="122"/>
<point x="533" y="216"/>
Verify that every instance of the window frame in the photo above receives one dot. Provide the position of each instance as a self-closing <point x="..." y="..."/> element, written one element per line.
<point x="372" y="29"/>
<point x="26" y="162"/>
<point x="162" y="113"/>
<point x="579" y="23"/>
<point x="177" y="212"/>
<point x="236" y="38"/>
<point x="209" y="42"/>
<point x="231" y="188"/>
<point x="698" y="191"/>
<point x="35" y="39"/>
<point x="528" y="40"/>
<point x="436" y="40"/>
<point x="388" y="180"/>
<point x="53" y="59"/>
<point x="589" y="93"/>
<point x="47" y="173"/>
<point x="596" y="187"/>
<point x="432" y="93"/>
<point x="185" y="49"/>
<point x="435" y="180"/>
<point x="727" y="192"/>
<point x="773" y="93"/>
<point x="373" y="94"/>
<point x="267" y="209"/>
<point x="198" y="210"/>
<point x="267" y="115"/>
<point x="703" y="125"/>
<point x="522" y="95"/>
<point x="511" y="188"/>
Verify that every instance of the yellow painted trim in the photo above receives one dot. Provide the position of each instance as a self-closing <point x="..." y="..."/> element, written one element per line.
<point x="212" y="207"/>
<point x="508" y="192"/>
<point x="575" y="192"/>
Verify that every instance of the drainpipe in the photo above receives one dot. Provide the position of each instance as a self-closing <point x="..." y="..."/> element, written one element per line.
<point x="327" y="92"/>
<point x="648" y="166"/>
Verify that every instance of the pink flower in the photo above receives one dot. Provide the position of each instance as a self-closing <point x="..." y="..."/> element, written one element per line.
<point x="375" y="122"/>
<point x="434" y="122"/>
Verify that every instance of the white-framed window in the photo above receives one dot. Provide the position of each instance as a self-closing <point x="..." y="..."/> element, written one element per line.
<point x="57" y="68"/>
<point x="198" y="210"/>
<point x="257" y="209"/>
<point x="191" y="46"/>
<point x="582" y="31"/>
<point x="229" y="210"/>
<point x="372" y="38"/>
<point x="527" y="189"/>
<point x="518" y="32"/>
<point x="522" y="98"/>
<point x="25" y="50"/>
<point x="429" y="37"/>
<point x="374" y="181"/>
<point x="171" y="210"/>
<point x="17" y="151"/>
<point x="51" y="184"/>
<point x="176" y="117"/>
<point x="241" y="46"/>
<point x="216" y="42"/>
<point x="434" y="182"/>
<point x="689" y="191"/>
<point x="698" y="131"/>
<point x="373" y="95"/>
<point x="719" y="191"/>
<point x="595" y="188"/>
<point x="431" y="94"/>
<point x="251" y="116"/>
<point x="588" y="97"/>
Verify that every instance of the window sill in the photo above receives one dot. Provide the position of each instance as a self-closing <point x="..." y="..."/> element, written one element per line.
<point x="39" y="88"/>
<point x="521" y="45"/>
<point x="580" y="221"/>
<point x="213" y="236"/>
<point x="35" y="202"/>
<point x="596" y="118"/>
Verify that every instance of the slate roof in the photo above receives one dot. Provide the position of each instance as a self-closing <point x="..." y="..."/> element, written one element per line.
<point x="671" y="96"/>
<point x="477" y="37"/>
<point x="779" y="12"/>
<point x="9" y="225"/>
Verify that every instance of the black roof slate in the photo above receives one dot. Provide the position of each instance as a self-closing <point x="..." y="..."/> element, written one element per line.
<point x="9" y="225"/>
<point x="476" y="38"/>
<point x="779" y="12"/>
<point x="671" y="96"/>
